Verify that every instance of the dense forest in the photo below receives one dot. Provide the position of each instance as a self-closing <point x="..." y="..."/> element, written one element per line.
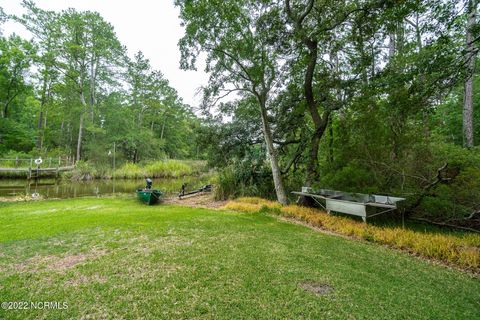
<point x="375" y="96"/>
<point x="72" y="90"/>
<point x="362" y="96"/>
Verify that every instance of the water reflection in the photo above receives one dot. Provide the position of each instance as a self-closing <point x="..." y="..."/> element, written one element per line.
<point x="51" y="188"/>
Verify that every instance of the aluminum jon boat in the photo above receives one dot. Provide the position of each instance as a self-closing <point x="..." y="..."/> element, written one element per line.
<point x="357" y="204"/>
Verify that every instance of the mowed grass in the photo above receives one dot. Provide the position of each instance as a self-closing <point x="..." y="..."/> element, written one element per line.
<point x="119" y="259"/>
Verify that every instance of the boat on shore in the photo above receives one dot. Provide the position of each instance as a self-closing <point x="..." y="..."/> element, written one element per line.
<point x="148" y="195"/>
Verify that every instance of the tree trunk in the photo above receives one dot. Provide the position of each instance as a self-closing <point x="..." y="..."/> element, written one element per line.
<point x="418" y="36"/>
<point x="40" y="113"/>
<point x="267" y="133"/>
<point x="391" y="45"/>
<point x="80" y="132"/>
<point x="135" y="155"/>
<point x="7" y="104"/>
<point x="163" y="127"/>
<point x="468" y="96"/>
<point x="80" y="126"/>
<point x="45" y="117"/>
<point x="39" y="127"/>
<point x="93" y="75"/>
<point x="320" y="121"/>
<point x="312" y="161"/>
<point x="330" y="143"/>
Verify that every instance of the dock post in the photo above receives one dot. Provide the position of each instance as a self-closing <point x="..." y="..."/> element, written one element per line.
<point x="58" y="167"/>
<point x="30" y="169"/>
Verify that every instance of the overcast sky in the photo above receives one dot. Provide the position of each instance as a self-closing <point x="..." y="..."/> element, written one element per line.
<point x="151" y="26"/>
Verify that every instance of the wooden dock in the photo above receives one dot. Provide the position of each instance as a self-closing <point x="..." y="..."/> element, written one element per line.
<point x="50" y="167"/>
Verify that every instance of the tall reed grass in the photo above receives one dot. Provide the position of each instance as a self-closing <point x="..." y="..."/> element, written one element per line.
<point x="160" y="169"/>
<point x="463" y="251"/>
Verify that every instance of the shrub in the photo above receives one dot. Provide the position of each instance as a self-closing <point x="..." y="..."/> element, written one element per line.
<point x="157" y="169"/>
<point x="15" y="155"/>
<point x="253" y="204"/>
<point x="352" y="177"/>
<point x="242" y="206"/>
<point x="454" y="200"/>
<point x="130" y="171"/>
<point x="245" y="178"/>
<point x="225" y="184"/>
<point x="83" y="171"/>
<point x="169" y="168"/>
<point x="463" y="251"/>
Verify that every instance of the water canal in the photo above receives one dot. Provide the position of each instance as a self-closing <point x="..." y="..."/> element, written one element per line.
<point x="52" y="188"/>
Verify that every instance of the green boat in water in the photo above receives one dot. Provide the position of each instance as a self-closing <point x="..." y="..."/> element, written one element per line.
<point x="148" y="195"/>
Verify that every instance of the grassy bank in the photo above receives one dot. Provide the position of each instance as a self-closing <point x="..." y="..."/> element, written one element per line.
<point x="115" y="258"/>
<point x="161" y="169"/>
<point x="462" y="249"/>
<point x="157" y="169"/>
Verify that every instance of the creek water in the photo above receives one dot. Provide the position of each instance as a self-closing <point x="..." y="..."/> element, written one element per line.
<point x="51" y="188"/>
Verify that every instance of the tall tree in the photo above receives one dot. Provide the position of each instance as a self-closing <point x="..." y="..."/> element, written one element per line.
<point x="319" y="27"/>
<point x="15" y="60"/>
<point x="46" y="31"/>
<point x="241" y="57"/>
<point x="471" y="54"/>
<point x="88" y="43"/>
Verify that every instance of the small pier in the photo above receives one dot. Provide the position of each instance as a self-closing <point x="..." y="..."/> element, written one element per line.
<point x="49" y="167"/>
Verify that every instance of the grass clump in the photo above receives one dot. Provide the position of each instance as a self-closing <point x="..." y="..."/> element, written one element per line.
<point x="462" y="251"/>
<point x="130" y="171"/>
<point x="168" y="169"/>
<point x="241" y="206"/>
<point x="83" y="171"/>
<point x="252" y="204"/>
<point x="160" y="169"/>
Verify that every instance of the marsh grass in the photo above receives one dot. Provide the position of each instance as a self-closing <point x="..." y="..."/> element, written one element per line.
<point x="463" y="251"/>
<point x="169" y="168"/>
<point x="161" y="169"/>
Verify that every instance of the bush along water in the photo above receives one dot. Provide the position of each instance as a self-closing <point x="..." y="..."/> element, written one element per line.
<point x="245" y="178"/>
<point x="159" y="169"/>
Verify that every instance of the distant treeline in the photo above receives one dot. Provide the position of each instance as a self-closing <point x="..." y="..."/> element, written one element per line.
<point x="72" y="90"/>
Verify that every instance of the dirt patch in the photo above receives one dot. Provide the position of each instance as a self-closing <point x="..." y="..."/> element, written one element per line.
<point x="67" y="262"/>
<point x="56" y="263"/>
<point x="202" y="200"/>
<point x="317" y="288"/>
<point x="93" y="207"/>
<point x="20" y="198"/>
<point x="84" y="279"/>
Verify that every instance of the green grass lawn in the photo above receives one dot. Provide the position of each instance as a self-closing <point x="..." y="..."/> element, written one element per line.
<point x="119" y="259"/>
